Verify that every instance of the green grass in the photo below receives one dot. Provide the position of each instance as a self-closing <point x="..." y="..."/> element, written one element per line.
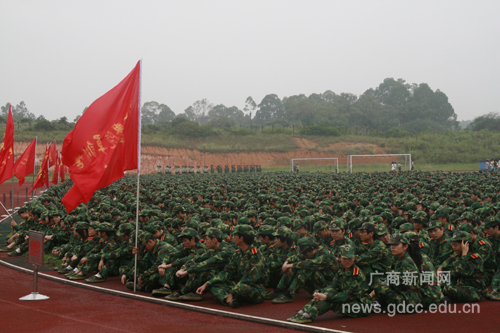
<point x="382" y="168"/>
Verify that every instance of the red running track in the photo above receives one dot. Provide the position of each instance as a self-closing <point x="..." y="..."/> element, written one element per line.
<point x="72" y="306"/>
<point x="71" y="309"/>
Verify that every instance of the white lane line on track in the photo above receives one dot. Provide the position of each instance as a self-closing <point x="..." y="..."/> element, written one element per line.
<point x="66" y="317"/>
<point x="228" y="314"/>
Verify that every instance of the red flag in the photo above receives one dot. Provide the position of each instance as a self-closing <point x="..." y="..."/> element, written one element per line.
<point x="25" y="164"/>
<point x="7" y="150"/>
<point x="55" y="176"/>
<point x="52" y="154"/>
<point x="104" y="142"/>
<point x="43" y="174"/>
<point x="63" y="170"/>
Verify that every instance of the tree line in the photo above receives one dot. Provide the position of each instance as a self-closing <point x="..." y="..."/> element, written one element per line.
<point x="395" y="106"/>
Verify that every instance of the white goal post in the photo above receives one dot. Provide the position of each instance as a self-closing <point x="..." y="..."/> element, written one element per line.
<point x="311" y="159"/>
<point x="406" y="156"/>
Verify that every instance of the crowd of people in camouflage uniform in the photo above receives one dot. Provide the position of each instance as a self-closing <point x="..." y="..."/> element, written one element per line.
<point x="347" y="239"/>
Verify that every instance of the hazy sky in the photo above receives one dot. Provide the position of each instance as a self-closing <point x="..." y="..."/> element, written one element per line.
<point x="59" y="56"/>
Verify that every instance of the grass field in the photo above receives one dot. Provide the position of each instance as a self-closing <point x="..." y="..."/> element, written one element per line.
<point x="383" y="168"/>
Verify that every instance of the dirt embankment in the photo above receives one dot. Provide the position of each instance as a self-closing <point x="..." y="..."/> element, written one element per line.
<point x="152" y="157"/>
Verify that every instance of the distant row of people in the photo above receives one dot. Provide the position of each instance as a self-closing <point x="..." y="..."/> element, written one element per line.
<point x="177" y="169"/>
<point x="492" y="165"/>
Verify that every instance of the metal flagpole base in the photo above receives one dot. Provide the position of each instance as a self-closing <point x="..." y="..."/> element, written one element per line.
<point x="34" y="296"/>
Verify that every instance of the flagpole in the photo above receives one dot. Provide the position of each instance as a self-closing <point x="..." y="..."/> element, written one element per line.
<point x="34" y="167"/>
<point x="12" y="198"/>
<point x="138" y="174"/>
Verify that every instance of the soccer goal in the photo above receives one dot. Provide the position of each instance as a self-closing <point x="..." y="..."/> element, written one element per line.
<point x="379" y="162"/>
<point x="315" y="164"/>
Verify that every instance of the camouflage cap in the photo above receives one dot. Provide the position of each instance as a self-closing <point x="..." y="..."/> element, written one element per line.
<point x="466" y="227"/>
<point x="243" y="230"/>
<point x="406" y="227"/>
<point x="176" y="222"/>
<point x="106" y="227"/>
<point x="398" y="238"/>
<point x="369" y="227"/>
<point x="191" y="223"/>
<point x="305" y="244"/>
<point x="491" y="222"/>
<point x="81" y="226"/>
<point x="266" y="230"/>
<point x="152" y="227"/>
<point x="297" y="224"/>
<point x="95" y="225"/>
<point x="470" y="216"/>
<point x="337" y="224"/>
<point x="126" y="228"/>
<point x="434" y="224"/>
<point x="283" y="232"/>
<point x="202" y="229"/>
<point x="320" y="225"/>
<point x="381" y="229"/>
<point x="143" y="237"/>
<point x="55" y="212"/>
<point x="355" y="224"/>
<point x="460" y="236"/>
<point x="214" y="233"/>
<point x="347" y="251"/>
<point x="188" y="232"/>
<point x="244" y="221"/>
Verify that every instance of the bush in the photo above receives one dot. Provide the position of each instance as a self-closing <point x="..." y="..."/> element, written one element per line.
<point x="321" y="130"/>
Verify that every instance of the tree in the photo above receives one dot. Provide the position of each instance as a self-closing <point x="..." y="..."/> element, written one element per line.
<point x="270" y="108"/>
<point x="199" y="111"/>
<point x="250" y="106"/>
<point x="152" y="112"/>
<point x="18" y="112"/>
<point x="490" y="121"/>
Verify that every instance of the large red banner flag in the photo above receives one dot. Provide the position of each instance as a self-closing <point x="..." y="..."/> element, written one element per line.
<point x="7" y="150"/>
<point x="104" y="142"/>
<point x="52" y="154"/>
<point x="43" y="174"/>
<point x="55" y="176"/>
<point x="25" y="164"/>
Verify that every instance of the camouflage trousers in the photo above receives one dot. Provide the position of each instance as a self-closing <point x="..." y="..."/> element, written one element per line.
<point x="463" y="294"/>
<point x="387" y="295"/>
<point x="111" y="268"/>
<point x="431" y="295"/>
<point x="128" y="270"/>
<point x="253" y="294"/>
<point x="89" y="266"/>
<point x="495" y="281"/>
<point x="273" y="278"/>
<point x="171" y="279"/>
<point x="310" y="280"/>
<point x="315" y="308"/>
<point x="195" y="281"/>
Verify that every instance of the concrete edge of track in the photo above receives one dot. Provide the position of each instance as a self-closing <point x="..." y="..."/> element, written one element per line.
<point x="184" y="306"/>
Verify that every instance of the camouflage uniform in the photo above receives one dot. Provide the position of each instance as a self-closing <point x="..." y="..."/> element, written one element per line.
<point x="240" y="277"/>
<point x="440" y="249"/>
<point x="310" y="274"/>
<point x="375" y="258"/>
<point x="347" y="289"/>
<point x="396" y="292"/>
<point x="202" y="268"/>
<point x="467" y="277"/>
<point x="161" y="253"/>
<point x="432" y="293"/>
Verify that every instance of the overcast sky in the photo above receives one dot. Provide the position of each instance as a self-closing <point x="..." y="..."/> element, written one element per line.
<point x="59" y="56"/>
